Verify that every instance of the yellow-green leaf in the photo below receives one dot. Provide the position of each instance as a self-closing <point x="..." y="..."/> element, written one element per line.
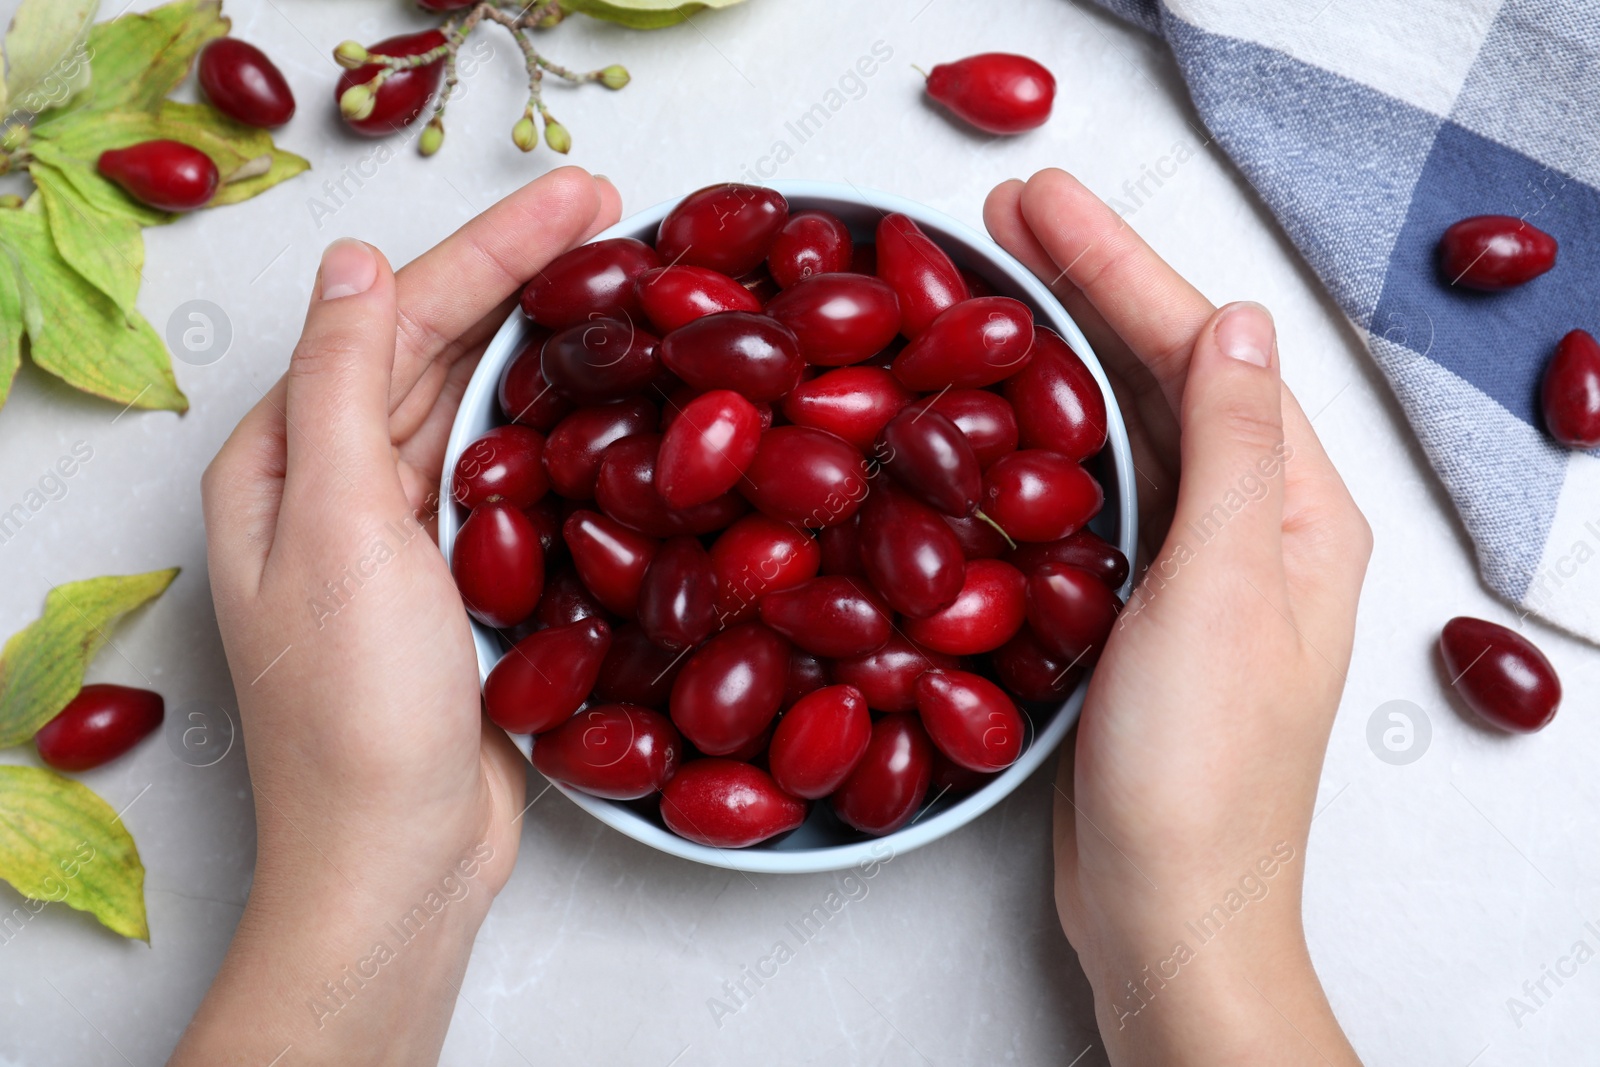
<point x="285" y="165"/>
<point x="44" y="64"/>
<point x="103" y="194"/>
<point x="643" y="14"/>
<point x="59" y="842"/>
<point x="85" y="339"/>
<point x="140" y="58"/>
<point x="108" y="250"/>
<point x="11" y="319"/>
<point x="41" y="667"/>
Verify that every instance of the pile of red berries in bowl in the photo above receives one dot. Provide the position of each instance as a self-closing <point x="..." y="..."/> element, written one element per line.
<point x="790" y="519"/>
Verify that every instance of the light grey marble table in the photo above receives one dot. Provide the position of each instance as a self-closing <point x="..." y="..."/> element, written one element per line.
<point x="1435" y="889"/>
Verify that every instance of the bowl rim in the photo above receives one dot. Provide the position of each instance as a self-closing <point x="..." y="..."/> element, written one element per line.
<point x="481" y="395"/>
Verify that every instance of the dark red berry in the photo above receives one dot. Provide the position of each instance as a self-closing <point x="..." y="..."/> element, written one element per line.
<point x="810" y="243"/>
<point x="728" y="804"/>
<point x="525" y="396"/>
<point x="575" y="446"/>
<point x="730" y="688"/>
<point x="616" y="751"/>
<point x="753" y="355"/>
<point x="166" y="175"/>
<point x="1039" y="496"/>
<point x="1071" y="611"/>
<point x="404" y="93"/>
<point x="997" y="92"/>
<point x="505" y="463"/>
<point x="677" y="295"/>
<point x="975" y="343"/>
<point x="498" y="564"/>
<point x="970" y="720"/>
<point x="758" y="555"/>
<point x="678" y="598"/>
<point x="728" y="228"/>
<point x="1570" y="393"/>
<point x="805" y="476"/>
<point x="819" y="741"/>
<point x="99" y="724"/>
<point x="830" y="616"/>
<point x="1493" y="252"/>
<point x="610" y="558"/>
<point x="589" y="282"/>
<point x="1500" y="674"/>
<point x="601" y="360"/>
<point x="1058" y="403"/>
<point x="706" y="448"/>
<point x="546" y="676"/>
<point x="838" y="318"/>
<point x="890" y="780"/>
<point x="243" y="84"/>
<point x="922" y="276"/>
<point x="985" y="614"/>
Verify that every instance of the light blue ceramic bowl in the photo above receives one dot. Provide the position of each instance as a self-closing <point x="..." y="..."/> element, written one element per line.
<point x="823" y="843"/>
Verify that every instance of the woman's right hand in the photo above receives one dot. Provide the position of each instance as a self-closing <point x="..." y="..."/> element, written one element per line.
<point x="1183" y="809"/>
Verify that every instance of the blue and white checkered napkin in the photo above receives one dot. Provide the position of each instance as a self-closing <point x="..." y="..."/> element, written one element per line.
<point x="1368" y="127"/>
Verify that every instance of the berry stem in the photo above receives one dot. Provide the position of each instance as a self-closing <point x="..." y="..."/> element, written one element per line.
<point x="978" y="514"/>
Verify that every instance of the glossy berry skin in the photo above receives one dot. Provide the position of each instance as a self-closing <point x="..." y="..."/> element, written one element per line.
<point x="166" y="175"/>
<point x="931" y="459"/>
<point x="1500" y="674"/>
<point x="807" y="674"/>
<point x="546" y="676"/>
<point x="970" y="720"/>
<point x="730" y="688"/>
<point x="243" y="84"/>
<point x="987" y="420"/>
<point x="706" y="448"/>
<point x="1039" y="496"/>
<point x="753" y="355"/>
<point x="507" y="462"/>
<point x="809" y="243"/>
<point x="1494" y="252"/>
<point x="601" y="360"/>
<point x="592" y="281"/>
<point x="728" y="228"/>
<point x="1058" y="403"/>
<point x="819" y="742"/>
<point x="637" y="670"/>
<point x="1029" y="671"/>
<point x="547" y="514"/>
<point x="524" y="394"/>
<point x="403" y="94"/>
<point x="841" y="548"/>
<point x="756" y="556"/>
<point x="978" y="539"/>
<point x="677" y="295"/>
<point x="950" y="777"/>
<point x="616" y="751"/>
<point x="987" y="612"/>
<point x="498" y="564"/>
<point x="566" y="599"/>
<point x="1081" y="548"/>
<point x="625" y="489"/>
<point x="854" y="403"/>
<point x="889" y="783"/>
<point x="997" y="92"/>
<point x="1070" y="611"/>
<point x="678" y="599"/>
<point x="725" y="803"/>
<point x="1570" y="392"/>
<point x="838" y="318"/>
<point x="805" y="476"/>
<point x="575" y="446"/>
<point x="887" y="678"/>
<point x="610" y="558"/>
<point x="908" y="553"/>
<point x="975" y="343"/>
<point x="831" y="616"/>
<point x="99" y="724"/>
<point x="922" y="276"/>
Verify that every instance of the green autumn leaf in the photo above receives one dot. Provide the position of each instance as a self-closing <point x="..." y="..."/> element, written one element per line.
<point x="140" y="58"/>
<point x="81" y="136"/>
<point x="108" y="250"/>
<point x="643" y="14"/>
<point x="43" y="66"/>
<point x="11" y="320"/>
<point x="84" y="339"/>
<point x="106" y="196"/>
<point x="59" y="842"/>
<point x="41" y="667"/>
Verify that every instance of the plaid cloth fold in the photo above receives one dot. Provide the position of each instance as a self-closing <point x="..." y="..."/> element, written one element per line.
<point x="1368" y="127"/>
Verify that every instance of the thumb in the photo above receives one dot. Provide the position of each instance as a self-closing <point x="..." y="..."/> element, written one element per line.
<point x="337" y="406"/>
<point x="1230" y="497"/>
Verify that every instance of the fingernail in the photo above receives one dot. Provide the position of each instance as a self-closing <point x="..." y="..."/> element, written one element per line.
<point x="1245" y="333"/>
<point x="348" y="268"/>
